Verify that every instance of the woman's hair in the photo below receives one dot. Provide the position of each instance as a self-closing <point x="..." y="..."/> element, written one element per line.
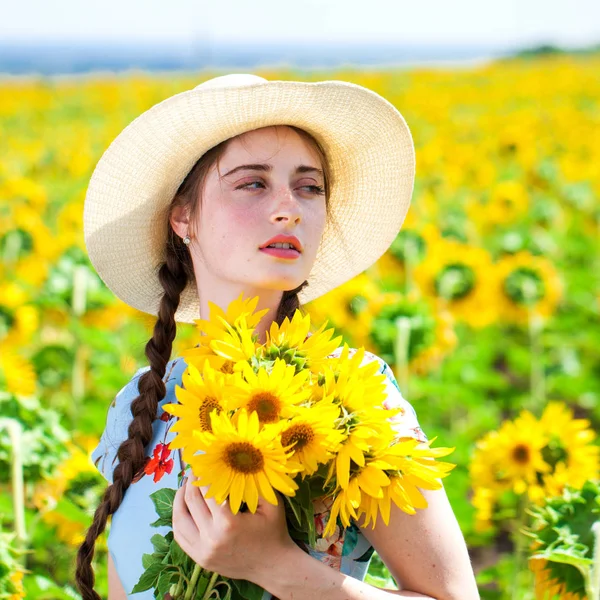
<point x="174" y="274"/>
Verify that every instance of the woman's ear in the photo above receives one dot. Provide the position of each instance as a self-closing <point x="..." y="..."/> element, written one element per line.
<point x="180" y="221"/>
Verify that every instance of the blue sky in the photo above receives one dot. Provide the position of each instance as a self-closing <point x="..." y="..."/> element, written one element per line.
<point x="504" y="22"/>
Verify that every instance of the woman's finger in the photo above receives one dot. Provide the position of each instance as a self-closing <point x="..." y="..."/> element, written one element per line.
<point x="184" y="526"/>
<point x="197" y="504"/>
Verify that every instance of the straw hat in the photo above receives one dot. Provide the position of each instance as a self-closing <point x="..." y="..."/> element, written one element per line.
<point x="365" y="138"/>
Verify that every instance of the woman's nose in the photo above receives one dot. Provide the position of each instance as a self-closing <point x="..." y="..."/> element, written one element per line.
<point x="286" y="205"/>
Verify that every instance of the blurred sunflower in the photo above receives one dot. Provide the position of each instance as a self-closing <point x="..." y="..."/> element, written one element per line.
<point x="410" y="246"/>
<point x="347" y="308"/>
<point x="571" y="452"/>
<point x="459" y="276"/>
<point x="511" y="457"/>
<point x="52" y="497"/>
<point x="242" y="462"/>
<point x="508" y="203"/>
<point x="526" y="282"/>
<point x="431" y="337"/>
<point x="535" y="458"/>
<point x="17" y="372"/>
<point x="18" y="326"/>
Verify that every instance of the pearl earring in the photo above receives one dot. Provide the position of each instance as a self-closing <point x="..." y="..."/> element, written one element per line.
<point x="186" y="240"/>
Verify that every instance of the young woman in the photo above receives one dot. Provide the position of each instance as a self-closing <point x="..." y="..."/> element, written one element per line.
<point x="180" y="211"/>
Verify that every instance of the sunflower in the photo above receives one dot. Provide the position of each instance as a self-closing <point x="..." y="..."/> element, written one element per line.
<point x="312" y="435"/>
<point x="241" y="462"/>
<point x="292" y="342"/>
<point x="228" y="336"/>
<point x="409" y="465"/>
<point x="353" y="380"/>
<point x="392" y="474"/>
<point x="364" y="431"/>
<point x="273" y="393"/>
<point x="547" y="586"/>
<point x="459" y="277"/>
<point x="525" y="282"/>
<point x="199" y="396"/>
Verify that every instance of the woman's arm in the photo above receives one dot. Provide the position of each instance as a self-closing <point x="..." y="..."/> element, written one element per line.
<point x="295" y="575"/>
<point x="426" y="552"/>
<point x="116" y="591"/>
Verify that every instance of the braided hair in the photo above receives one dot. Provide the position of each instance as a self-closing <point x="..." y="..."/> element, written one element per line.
<point x="174" y="274"/>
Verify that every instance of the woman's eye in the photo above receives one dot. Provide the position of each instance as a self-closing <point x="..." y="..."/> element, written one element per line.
<point x="315" y="189"/>
<point x="246" y="185"/>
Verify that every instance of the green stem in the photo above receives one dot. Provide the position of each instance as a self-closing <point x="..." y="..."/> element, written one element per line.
<point x="211" y="585"/>
<point x="520" y="547"/>
<point x="78" y="307"/>
<point x="191" y="590"/>
<point x="401" y="345"/>
<point x="537" y="377"/>
<point x="594" y="585"/>
<point x="15" y="432"/>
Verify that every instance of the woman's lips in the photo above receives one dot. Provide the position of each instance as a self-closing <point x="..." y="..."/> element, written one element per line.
<point x="289" y="253"/>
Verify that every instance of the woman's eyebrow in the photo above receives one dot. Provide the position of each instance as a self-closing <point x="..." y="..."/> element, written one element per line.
<point x="267" y="168"/>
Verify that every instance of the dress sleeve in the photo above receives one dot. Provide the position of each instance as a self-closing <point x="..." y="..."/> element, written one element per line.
<point x="406" y="424"/>
<point x="118" y="418"/>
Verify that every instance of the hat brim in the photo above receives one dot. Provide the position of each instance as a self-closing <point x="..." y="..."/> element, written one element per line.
<point x="365" y="138"/>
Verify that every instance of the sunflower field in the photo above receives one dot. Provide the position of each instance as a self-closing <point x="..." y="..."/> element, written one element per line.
<point x="486" y="306"/>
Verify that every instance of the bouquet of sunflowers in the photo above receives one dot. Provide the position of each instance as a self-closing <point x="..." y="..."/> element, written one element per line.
<point x="284" y="415"/>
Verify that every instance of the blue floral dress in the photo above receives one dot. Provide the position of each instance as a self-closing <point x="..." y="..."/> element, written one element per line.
<point x="346" y="550"/>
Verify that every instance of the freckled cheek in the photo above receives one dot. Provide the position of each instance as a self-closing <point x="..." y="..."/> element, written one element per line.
<point x="233" y="231"/>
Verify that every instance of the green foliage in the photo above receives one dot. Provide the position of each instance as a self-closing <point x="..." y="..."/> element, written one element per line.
<point x="563" y="536"/>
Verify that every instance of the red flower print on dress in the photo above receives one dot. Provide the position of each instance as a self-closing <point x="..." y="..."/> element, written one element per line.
<point x="158" y="464"/>
<point x="330" y="546"/>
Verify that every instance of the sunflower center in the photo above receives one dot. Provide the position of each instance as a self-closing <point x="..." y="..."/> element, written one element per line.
<point x="243" y="457"/>
<point x="300" y="434"/>
<point x="208" y="404"/>
<point x="554" y="453"/>
<point x="267" y="406"/>
<point x="524" y="286"/>
<point x="356" y="305"/>
<point x="521" y="454"/>
<point x="455" y="281"/>
<point x="227" y="367"/>
<point x="408" y="242"/>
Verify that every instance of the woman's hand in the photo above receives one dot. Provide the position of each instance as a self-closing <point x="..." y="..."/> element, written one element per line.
<point x="238" y="546"/>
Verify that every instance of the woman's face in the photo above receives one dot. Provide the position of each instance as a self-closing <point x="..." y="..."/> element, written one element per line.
<point x="254" y="194"/>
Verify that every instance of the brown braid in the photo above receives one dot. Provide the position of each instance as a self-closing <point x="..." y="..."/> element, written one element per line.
<point x="174" y="274"/>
